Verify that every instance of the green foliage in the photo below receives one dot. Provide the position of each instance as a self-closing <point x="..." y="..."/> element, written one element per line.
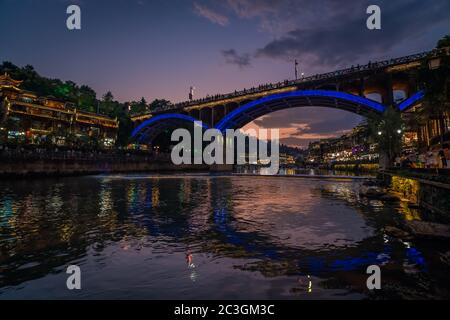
<point x="139" y="106"/>
<point x="142" y="106"/>
<point x="84" y="97"/>
<point x="108" y="97"/>
<point x="444" y="42"/>
<point x="387" y="130"/>
<point x="435" y="83"/>
<point x="159" y="104"/>
<point x="125" y="129"/>
<point x="108" y="105"/>
<point x="87" y="99"/>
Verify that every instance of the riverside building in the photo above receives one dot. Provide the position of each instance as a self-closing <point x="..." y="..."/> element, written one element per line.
<point x="28" y="118"/>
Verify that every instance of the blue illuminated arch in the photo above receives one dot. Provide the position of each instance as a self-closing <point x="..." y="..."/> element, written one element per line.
<point x="325" y="98"/>
<point x="406" y="104"/>
<point x="161" y="121"/>
<point x="251" y="243"/>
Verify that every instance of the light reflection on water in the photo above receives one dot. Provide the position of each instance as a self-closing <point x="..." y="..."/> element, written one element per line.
<point x="245" y="169"/>
<point x="207" y="237"/>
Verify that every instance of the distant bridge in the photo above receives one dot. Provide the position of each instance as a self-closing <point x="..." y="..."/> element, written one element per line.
<point x="360" y="89"/>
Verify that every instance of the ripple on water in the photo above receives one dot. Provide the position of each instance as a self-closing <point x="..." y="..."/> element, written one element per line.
<point x="247" y="237"/>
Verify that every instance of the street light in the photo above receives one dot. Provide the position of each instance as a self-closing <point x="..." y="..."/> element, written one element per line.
<point x="399" y="131"/>
<point x="379" y="133"/>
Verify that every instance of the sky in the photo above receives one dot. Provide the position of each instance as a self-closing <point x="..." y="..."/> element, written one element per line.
<point x="159" y="48"/>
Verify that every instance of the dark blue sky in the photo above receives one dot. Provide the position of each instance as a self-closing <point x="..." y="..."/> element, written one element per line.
<point x="158" y="48"/>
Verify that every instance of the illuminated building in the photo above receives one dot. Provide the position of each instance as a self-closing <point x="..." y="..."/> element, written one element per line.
<point x="26" y="117"/>
<point x="425" y="133"/>
<point x="354" y="146"/>
<point x="286" y="159"/>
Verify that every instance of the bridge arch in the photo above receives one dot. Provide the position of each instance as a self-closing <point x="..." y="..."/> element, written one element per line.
<point x="411" y="101"/>
<point x="241" y="115"/>
<point x="301" y="98"/>
<point x="148" y="130"/>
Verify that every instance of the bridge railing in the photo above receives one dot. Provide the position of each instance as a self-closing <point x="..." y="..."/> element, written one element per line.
<point x="371" y="66"/>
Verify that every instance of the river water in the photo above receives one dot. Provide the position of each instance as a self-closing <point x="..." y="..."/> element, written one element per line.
<point x="208" y="237"/>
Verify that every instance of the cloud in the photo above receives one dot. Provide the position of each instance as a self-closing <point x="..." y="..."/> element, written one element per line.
<point x="345" y="40"/>
<point x="210" y="14"/>
<point x="326" y="35"/>
<point x="250" y="9"/>
<point x="299" y="126"/>
<point x="273" y="16"/>
<point x="232" y="57"/>
<point x="264" y="10"/>
<point x="280" y="16"/>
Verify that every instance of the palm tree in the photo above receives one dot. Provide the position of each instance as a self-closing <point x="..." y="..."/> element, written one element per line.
<point x="387" y="130"/>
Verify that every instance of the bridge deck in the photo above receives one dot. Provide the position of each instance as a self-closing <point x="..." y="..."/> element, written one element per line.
<point x="391" y="65"/>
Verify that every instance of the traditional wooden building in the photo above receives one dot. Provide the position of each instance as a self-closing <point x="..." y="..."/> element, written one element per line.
<point x="424" y="132"/>
<point x="26" y="117"/>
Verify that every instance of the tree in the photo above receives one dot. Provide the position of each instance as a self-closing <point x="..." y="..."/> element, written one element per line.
<point x="435" y="83"/>
<point x="444" y="42"/>
<point x="159" y="104"/>
<point x="125" y="128"/>
<point x="143" y="103"/>
<point x="68" y="91"/>
<point x="108" y="97"/>
<point x="87" y="100"/>
<point x="83" y="96"/>
<point x="108" y="105"/>
<point x="387" y="130"/>
<point x="8" y="67"/>
<point x="139" y="107"/>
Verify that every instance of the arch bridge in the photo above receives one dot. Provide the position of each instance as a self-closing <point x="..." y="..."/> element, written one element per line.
<point x="362" y="90"/>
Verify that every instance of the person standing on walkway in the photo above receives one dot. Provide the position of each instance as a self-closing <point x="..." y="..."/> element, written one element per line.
<point x="443" y="159"/>
<point x="447" y="154"/>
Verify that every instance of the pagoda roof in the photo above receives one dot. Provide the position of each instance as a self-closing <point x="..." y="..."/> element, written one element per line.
<point x="7" y="81"/>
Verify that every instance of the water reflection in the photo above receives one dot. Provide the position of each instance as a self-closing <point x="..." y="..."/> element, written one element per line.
<point x="239" y="237"/>
<point x="245" y="169"/>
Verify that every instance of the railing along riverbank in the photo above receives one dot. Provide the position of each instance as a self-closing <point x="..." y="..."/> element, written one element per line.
<point x="24" y="162"/>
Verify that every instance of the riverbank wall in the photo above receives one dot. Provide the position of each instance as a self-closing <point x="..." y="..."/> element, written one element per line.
<point x="25" y="168"/>
<point x="355" y="167"/>
<point x="429" y="191"/>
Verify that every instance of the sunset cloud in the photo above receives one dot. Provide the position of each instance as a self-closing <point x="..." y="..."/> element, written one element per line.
<point x="232" y="57"/>
<point x="299" y="126"/>
<point x="211" y="15"/>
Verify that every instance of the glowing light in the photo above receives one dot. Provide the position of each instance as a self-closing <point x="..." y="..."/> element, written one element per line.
<point x="309" y="284"/>
<point x="369" y="104"/>
<point x="411" y="100"/>
<point x="167" y="116"/>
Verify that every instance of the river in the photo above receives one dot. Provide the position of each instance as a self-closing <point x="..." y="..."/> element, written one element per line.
<point x="208" y="237"/>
